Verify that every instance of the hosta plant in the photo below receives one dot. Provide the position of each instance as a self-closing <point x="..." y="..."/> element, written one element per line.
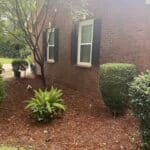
<point x="46" y="105"/>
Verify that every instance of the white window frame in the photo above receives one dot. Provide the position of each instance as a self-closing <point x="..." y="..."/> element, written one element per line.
<point x="50" y="45"/>
<point x="81" y="24"/>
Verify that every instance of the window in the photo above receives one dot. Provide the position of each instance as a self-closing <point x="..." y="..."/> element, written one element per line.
<point x="85" y="43"/>
<point x="50" y="45"/>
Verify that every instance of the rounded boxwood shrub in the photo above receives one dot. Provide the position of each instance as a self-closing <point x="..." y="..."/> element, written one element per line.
<point x="139" y="92"/>
<point x="113" y="82"/>
<point x="46" y="105"/>
<point x="2" y="89"/>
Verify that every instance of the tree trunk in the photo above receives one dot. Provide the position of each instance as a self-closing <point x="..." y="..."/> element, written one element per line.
<point x="43" y="76"/>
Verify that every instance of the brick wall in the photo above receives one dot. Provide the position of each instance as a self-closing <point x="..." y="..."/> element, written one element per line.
<point x="125" y="32"/>
<point x="125" y="37"/>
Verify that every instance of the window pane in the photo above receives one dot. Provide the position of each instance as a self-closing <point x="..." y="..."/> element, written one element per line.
<point x="51" y="52"/>
<point x="51" y="38"/>
<point x="86" y="36"/>
<point x="85" y="53"/>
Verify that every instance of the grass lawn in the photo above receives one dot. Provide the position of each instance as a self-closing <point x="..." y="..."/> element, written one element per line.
<point x="6" y="60"/>
<point x="10" y="148"/>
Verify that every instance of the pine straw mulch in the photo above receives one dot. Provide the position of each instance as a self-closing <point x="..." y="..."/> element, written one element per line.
<point x="86" y="125"/>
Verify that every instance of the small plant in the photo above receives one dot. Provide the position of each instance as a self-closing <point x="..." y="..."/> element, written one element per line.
<point x="2" y="89"/>
<point x="113" y="83"/>
<point x="139" y="92"/>
<point x="46" y="105"/>
<point x="19" y="65"/>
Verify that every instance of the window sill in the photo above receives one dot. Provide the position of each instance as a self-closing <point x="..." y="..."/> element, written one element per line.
<point x="84" y="65"/>
<point x="51" y="61"/>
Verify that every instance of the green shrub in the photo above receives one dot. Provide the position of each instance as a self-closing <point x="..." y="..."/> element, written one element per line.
<point x="2" y="89"/>
<point x="19" y="64"/>
<point x="140" y="100"/>
<point x="46" y="105"/>
<point x="113" y="83"/>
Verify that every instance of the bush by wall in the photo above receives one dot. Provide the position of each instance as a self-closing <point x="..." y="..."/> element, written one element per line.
<point x="140" y="100"/>
<point x="2" y="89"/>
<point x="46" y="105"/>
<point x="113" y="83"/>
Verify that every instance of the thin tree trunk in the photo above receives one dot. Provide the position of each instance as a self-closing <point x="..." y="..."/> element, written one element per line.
<point x="43" y="75"/>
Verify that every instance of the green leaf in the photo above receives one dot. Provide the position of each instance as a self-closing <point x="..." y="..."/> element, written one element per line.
<point x="59" y="106"/>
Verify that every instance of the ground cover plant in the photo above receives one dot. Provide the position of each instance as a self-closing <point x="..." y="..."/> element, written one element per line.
<point x="46" y="105"/>
<point x="140" y="95"/>
<point x="113" y="82"/>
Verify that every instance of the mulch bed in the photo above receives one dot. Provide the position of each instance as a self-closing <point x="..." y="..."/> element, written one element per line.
<point x="86" y="125"/>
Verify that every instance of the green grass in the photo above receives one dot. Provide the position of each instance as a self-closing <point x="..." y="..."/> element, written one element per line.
<point x="5" y="60"/>
<point x="10" y="148"/>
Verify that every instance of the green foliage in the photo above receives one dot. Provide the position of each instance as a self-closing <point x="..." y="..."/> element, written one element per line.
<point x="113" y="83"/>
<point x="1" y="66"/>
<point x="5" y="60"/>
<point x="140" y="100"/>
<point x="7" y="49"/>
<point x="29" y="59"/>
<point x="46" y="105"/>
<point x="19" y="64"/>
<point x="2" y="89"/>
<point x="12" y="46"/>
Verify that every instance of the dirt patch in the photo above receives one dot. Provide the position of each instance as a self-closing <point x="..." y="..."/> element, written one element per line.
<point x="86" y="125"/>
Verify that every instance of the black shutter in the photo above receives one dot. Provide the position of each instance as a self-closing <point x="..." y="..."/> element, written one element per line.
<point x="74" y="43"/>
<point x="44" y="44"/>
<point x="56" y="48"/>
<point x="96" y="42"/>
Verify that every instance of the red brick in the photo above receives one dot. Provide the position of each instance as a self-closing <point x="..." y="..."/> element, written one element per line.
<point x="125" y="37"/>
